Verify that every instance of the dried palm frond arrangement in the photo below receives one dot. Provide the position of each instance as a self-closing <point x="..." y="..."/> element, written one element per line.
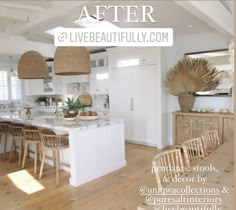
<point x="191" y="75"/>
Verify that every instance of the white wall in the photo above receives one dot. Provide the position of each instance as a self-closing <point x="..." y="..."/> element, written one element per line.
<point x="195" y="43"/>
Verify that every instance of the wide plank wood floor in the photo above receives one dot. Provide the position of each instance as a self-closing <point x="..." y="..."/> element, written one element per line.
<point x="116" y="191"/>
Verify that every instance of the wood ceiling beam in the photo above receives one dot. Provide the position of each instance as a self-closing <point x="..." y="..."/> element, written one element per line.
<point x="5" y="14"/>
<point x="214" y="13"/>
<point x="56" y="10"/>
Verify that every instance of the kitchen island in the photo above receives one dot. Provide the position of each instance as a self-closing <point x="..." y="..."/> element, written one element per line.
<point x="96" y="147"/>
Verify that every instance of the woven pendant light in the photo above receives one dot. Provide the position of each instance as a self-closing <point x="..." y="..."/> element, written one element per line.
<point x="32" y="65"/>
<point x="71" y="61"/>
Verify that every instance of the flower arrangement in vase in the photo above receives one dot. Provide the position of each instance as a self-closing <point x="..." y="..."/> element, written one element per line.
<point x="188" y="76"/>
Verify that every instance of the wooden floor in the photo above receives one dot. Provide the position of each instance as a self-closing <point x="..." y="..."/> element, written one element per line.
<point x="116" y="191"/>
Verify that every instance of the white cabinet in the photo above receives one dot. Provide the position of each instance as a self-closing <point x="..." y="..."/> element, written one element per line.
<point x="135" y="95"/>
<point x="33" y="87"/>
<point x="99" y="82"/>
<point x="75" y="78"/>
<point x="99" y="77"/>
<point x="49" y="86"/>
<point x="98" y="60"/>
<point x="136" y="57"/>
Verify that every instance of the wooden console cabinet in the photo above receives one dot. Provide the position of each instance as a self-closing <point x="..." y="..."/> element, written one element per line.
<point x="188" y="125"/>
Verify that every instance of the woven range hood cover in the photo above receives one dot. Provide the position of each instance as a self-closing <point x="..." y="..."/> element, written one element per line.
<point x="32" y="65"/>
<point x="71" y="61"/>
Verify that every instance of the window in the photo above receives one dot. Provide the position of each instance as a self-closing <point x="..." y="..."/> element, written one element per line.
<point x="3" y="86"/>
<point x="10" y="87"/>
<point x="15" y="88"/>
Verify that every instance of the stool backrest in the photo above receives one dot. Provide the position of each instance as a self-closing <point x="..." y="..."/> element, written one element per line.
<point x="193" y="151"/>
<point x="16" y="130"/>
<point x="167" y="166"/>
<point x="51" y="140"/>
<point x="31" y="134"/>
<point x="211" y="141"/>
<point x="4" y="127"/>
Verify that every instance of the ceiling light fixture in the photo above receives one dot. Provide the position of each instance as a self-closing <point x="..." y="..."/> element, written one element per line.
<point x="12" y="72"/>
<point x="71" y="61"/>
<point x="32" y="65"/>
<point x="190" y="26"/>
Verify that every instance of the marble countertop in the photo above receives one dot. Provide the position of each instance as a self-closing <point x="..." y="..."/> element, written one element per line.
<point x="50" y="121"/>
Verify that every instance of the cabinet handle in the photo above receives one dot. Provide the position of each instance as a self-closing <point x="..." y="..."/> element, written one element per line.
<point x="131" y="104"/>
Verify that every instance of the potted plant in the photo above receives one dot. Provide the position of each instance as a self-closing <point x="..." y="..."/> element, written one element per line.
<point x="72" y="107"/>
<point x="42" y="100"/>
<point x="188" y="76"/>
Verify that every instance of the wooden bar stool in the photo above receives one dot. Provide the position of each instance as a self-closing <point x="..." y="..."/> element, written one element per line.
<point x="55" y="143"/>
<point x="4" y="130"/>
<point x="32" y="136"/>
<point x="17" y="135"/>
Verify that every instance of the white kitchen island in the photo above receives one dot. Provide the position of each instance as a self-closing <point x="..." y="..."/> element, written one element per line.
<point x="96" y="147"/>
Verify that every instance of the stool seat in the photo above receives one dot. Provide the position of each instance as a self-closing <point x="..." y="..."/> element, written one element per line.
<point x="55" y="143"/>
<point x="32" y="136"/>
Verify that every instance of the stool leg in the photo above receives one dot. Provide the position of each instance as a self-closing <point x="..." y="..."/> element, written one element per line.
<point x="35" y="158"/>
<point x="59" y="160"/>
<point x="1" y="142"/>
<point x="40" y="151"/>
<point x="54" y="158"/>
<point x="20" y="151"/>
<point x="57" y="167"/>
<point x="42" y="163"/>
<point x="25" y="154"/>
<point x="5" y="147"/>
<point x="12" y="146"/>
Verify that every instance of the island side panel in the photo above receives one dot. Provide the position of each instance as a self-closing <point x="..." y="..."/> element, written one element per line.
<point x="96" y="152"/>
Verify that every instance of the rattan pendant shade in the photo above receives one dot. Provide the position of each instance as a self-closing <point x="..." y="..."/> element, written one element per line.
<point x="71" y="61"/>
<point x="32" y="65"/>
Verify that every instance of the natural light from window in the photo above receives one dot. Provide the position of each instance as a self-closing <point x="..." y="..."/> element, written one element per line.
<point x="92" y="22"/>
<point x="102" y="76"/>
<point x="15" y="88"/>
<point x="3" y="86"/>
<point x="24" y="181"/>
<point x="10" y="87"/>
<point x="51" y="31"/>
<point x="128" y="62"/>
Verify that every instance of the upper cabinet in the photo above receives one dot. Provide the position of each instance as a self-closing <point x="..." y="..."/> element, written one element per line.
<point x="126" y="58"/>
<point x="99" y="77"/>
<point x="98" y="60"/>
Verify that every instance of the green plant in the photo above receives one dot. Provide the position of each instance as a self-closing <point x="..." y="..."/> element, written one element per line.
<point x="73" y="104"/>
<point x="41" y="99"/>
<point x="190" y="75"/>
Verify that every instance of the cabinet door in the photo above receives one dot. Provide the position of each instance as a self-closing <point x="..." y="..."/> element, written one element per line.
<point x="99" y="82"/>
<point x="196" y="127"/>
<point x="121" y="92"/>
<point x="98" y="60"/>
<point x="33" y="87"/>
<point x="58" y="85"/>
<point x="49" y="83"/>
<point x="146" y="108"/>
<point x="228" y="129"/>
<point x="209" y="123"/>
<point x="134" y="57"/>
<point x="183" y="128"/>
